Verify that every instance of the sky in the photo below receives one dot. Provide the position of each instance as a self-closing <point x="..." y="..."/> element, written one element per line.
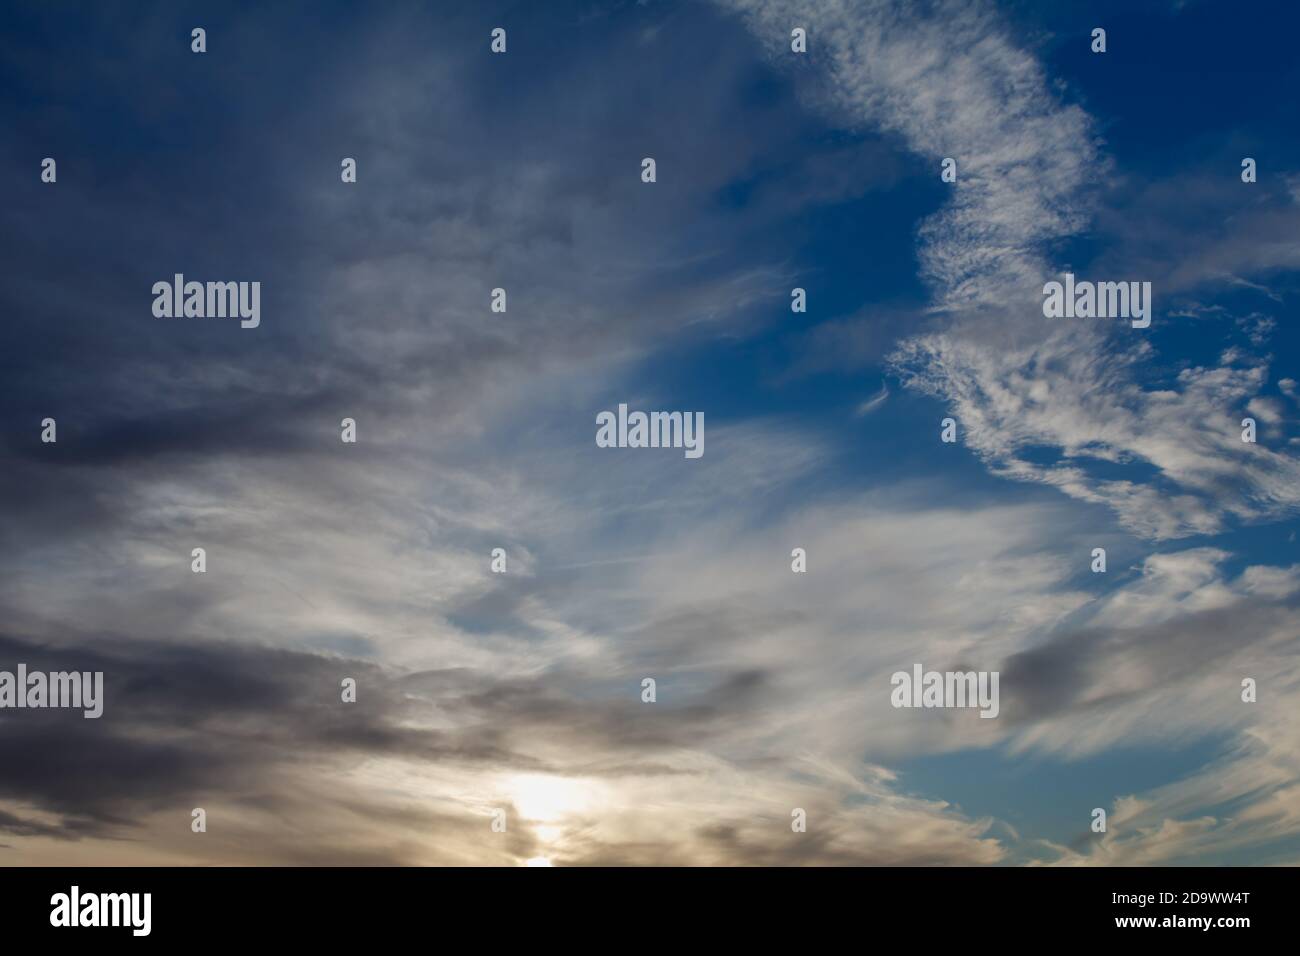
<point x="499" y="718"/>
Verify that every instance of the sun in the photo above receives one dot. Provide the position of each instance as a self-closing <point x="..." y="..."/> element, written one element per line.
<point x="546" y="799"/>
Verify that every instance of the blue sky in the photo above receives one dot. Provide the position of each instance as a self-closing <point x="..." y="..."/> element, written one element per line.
<point x="521" y="691"/>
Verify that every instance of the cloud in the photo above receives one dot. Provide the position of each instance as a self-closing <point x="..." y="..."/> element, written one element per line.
<point x="521" y="691"/>
<point x="951" y="83"/>
<point x="1201" y="229"/>
<point x="1181" y="445"/>
<point x="225" y="686"/>
<point x="874" y="402"/>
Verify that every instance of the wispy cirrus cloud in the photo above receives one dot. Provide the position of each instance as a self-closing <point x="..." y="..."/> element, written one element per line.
<point x="952" y="83"/>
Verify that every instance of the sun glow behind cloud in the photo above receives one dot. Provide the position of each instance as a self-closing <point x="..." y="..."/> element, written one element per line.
<point x="549" y="799"/>
<point x="549" y="805"/>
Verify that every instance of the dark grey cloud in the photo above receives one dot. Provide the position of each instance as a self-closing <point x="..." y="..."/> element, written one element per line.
<point x="191" y="724"/>
<point x="181" y="721"/>
<point x="1062" y="676"/>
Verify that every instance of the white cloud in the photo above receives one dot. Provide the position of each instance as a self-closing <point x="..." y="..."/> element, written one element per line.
<point x="874" y="402"/>
<point x="952" y="84"/>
